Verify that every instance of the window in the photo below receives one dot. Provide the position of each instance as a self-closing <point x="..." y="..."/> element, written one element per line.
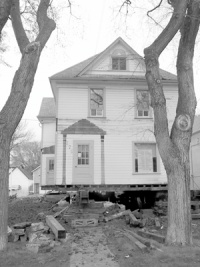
<point x="143" y="103"/>
<point x="51" y="165"/>
<point x="83" y="154"/>
<point x="145" y="158"/>
<point x="119" y="63"/>
<point x="96" y="102"/>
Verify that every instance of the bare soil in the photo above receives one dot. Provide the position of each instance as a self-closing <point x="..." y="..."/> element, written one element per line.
<point x="100" y="246"/>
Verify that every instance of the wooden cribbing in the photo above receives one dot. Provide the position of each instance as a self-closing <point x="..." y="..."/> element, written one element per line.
<point x="56" y="227"/>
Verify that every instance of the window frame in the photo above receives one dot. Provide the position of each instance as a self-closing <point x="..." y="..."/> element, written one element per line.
<point x="118" y="58"/>
<point x="150" y="114"/>
<point x="157" y="159"/>
<point x="89" y="102"/>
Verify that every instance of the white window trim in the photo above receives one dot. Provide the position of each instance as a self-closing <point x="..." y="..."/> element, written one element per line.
<point x="150" y="115"/>
<point x="133" y="159"/>
<point x="118" y="57"/>
<point x="104" y="102"/>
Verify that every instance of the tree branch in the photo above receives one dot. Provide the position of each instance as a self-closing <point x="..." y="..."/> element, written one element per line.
<point x="18" y="28"/>
<point x="45" y="24"/>
<point x="5" y="7"/>
<point x="170" y="30"/>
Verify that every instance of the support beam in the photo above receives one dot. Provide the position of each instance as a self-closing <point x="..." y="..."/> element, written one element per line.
<point x="58" y="230"/>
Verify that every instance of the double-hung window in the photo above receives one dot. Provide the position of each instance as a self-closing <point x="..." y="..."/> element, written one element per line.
<point x="143" y="103"/>
<point x="145" y="158"/>
<point x="96" y="103"/>
<point x="119" y="63"/>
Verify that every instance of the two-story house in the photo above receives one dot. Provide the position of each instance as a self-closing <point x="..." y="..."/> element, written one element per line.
<point x="98" y="128"/>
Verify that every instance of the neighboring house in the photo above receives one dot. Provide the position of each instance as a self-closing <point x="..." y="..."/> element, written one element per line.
<point x="36" y="181"/>
<point x="20" y="182"/>
<point x="195" y="155"/>
<point x="98" y="128"/>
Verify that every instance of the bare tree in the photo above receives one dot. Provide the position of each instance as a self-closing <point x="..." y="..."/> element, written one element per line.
<point x="20" y="136"/>
<point x="22" y="84"/>
<point x="26" y="155"/>
<point x="174" y="146"/>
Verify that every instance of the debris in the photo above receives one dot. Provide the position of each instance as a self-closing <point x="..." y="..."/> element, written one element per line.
<point x="140" y="245"/>
<point x="158" y="238"/>
<point x="59" y="212"/>
<point x="117" y="215"/>
<point x="37" y="227"/>
<point x="157" y="222"/>
<point x="56" y="227"/>
<point x="84" y="222"/>
<point x="133" y="220"/>
<point x="22" y="225"/>
<point x="138" y="213"/>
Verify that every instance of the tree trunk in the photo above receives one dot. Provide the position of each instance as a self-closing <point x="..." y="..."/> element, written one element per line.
<point x="13" y="110"/>
<point x="4" y="172"/>
<point x="9" y="119"/>
<point x="179" y="215"/>
<point x="174" y="148"/>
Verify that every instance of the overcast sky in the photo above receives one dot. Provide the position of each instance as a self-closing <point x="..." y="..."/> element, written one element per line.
<point x="94" y="25"/>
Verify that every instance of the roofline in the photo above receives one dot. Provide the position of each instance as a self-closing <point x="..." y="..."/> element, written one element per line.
<point x="102" y="79"/>
<point x="36" y="168"/>
<point x="41" y="118"/>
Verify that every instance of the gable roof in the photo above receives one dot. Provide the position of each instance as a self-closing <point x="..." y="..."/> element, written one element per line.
<point x="83" y="127"/>
<point x="27" y="174"/>
<point x="78" y="69"/>
<point x="47" y="108"/>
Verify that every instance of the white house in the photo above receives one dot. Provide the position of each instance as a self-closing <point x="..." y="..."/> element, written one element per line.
<point x="98" y="128"/>
<point x="36" y="181"/>
<point x="20" y="182"/>
<point x="195" y="155"/>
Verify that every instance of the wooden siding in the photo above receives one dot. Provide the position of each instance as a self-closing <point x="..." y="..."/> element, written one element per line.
<point x="73" y="102"/>
<point x="48" y="134"/>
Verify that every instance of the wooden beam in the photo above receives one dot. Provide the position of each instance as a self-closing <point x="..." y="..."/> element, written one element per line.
<point x="56" y="227"/>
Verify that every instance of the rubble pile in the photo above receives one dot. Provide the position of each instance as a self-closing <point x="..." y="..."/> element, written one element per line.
<point x="160" y="208"/>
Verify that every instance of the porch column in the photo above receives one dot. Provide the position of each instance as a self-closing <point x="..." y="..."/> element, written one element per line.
<point x="102" y="160"/>
<point x="64" y="159"/>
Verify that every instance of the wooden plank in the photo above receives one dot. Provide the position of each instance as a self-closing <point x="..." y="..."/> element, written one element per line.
<point x="158" y="238"/>
<point x="56" y="227"/>
<point x="117" y="215"/>
<point x="140" y="245"/>
<point x="133" y="219"/>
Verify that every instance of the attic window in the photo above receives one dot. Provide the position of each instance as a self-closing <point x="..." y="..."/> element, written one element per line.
<point x="119" y="63"/>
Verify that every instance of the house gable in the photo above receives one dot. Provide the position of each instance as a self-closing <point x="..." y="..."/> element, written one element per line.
<point x="100" y="65"/>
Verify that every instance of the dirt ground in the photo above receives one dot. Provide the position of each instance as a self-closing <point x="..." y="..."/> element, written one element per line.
<point x="99" y="246"/>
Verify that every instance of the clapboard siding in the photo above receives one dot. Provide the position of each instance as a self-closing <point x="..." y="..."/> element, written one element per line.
<point x="73" y="102"/>
<point x="48" y="134"/>
<point x="119" y="164"/>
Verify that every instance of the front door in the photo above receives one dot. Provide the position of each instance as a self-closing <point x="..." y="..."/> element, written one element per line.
<point x="83" y="162"/>
<point x="50" y="171"/>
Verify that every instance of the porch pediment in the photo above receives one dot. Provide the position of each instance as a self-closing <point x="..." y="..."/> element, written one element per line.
<point x="84" y="127"/>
